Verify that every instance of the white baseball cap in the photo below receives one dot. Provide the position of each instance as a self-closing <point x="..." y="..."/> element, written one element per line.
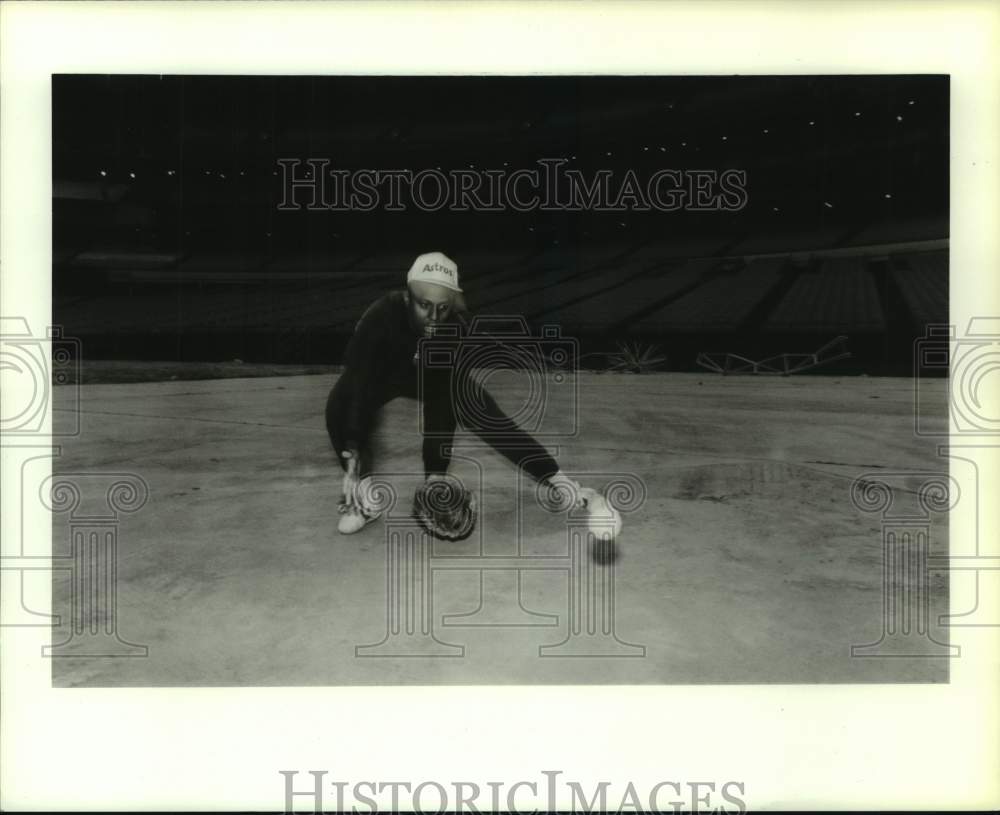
<point x="434" y="267"/>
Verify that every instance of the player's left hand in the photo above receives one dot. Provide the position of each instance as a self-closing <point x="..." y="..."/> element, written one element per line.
<point x="351" y="483"/>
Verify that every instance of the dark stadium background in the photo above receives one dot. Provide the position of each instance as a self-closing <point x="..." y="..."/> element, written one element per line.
<point x="168" y="243"/>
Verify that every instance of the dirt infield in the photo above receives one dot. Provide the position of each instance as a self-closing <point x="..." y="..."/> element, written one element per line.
<point x="743" y="558"/>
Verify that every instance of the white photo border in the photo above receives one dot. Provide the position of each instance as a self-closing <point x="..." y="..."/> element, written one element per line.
<point x="793" y="746"/>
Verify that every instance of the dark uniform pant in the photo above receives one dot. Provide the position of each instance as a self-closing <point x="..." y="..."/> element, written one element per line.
<point x="442" y="408"/>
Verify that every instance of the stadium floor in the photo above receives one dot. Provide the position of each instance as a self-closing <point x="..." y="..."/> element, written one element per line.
<point x="746" y="562"/>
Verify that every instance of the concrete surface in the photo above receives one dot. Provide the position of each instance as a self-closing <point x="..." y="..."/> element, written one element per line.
<point x="746" y="563"/>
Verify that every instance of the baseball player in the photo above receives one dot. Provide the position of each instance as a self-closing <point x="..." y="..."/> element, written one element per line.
<point x="383" y="361"/>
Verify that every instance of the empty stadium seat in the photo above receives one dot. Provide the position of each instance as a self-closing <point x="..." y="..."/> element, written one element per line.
<point x="840" y="296"/>
<point x="922" y="279"/>
<point x="721" y="303"/>
<point x="608" y="301"/>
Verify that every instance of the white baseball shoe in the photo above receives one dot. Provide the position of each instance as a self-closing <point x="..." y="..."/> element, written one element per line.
<point x="353" y="520"/>
<point x="358" y="515"/>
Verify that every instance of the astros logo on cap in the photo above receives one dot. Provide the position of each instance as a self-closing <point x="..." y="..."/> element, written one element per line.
<point x="435" y="267"/>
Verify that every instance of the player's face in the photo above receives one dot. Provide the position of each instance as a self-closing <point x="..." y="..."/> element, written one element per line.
<point x="430" y="305"/>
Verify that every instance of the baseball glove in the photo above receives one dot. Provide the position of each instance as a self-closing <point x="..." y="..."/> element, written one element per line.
<point x="445" y="509"/>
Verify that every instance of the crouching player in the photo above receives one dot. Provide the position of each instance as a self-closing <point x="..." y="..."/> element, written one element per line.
<point x="383" y="362"/>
